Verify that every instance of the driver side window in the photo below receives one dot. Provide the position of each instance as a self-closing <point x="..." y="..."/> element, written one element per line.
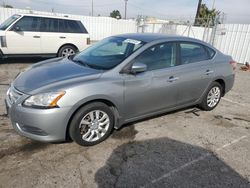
<point x="28" y="23"/>
<point x="159" y="56"/>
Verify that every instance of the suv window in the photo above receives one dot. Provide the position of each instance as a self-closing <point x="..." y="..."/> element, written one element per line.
<point x="83" y="29"/>
<point x="192" y="52"/>
<point x="71" y="26"/>
<point x="9" y="21"/>
<point x="49" y="25"/>
<point x="28" y="23"/>
<point x="62" y="28"/>
<point x="159" y="56"/>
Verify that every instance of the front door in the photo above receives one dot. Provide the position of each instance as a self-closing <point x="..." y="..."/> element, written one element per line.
<point x="24" y="37"/>
<point x="153" y="90"/>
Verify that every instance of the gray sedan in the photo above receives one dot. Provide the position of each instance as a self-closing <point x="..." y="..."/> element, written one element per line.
<point x="118" y="80"/>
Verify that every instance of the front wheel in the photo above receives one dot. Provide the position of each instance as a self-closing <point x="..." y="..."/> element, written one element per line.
<point x="92" y="124"/>
<point x="212" y="97"/>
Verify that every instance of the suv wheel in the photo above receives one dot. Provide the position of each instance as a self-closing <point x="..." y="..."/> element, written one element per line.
<point x="212" y="97"/>
<point x="92" y="124"/>
<point x="66" y="51"/>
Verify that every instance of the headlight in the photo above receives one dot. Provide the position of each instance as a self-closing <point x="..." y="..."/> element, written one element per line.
<point x="44" y="100"/>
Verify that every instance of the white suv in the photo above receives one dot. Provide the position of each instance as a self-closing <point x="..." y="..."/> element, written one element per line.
<point x="36" y="35"/>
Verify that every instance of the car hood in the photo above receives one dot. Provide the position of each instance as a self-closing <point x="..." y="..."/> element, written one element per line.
<point x="50" y="72"/>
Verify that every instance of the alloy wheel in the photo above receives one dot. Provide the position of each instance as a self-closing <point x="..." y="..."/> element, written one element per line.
<point x="213" y="96"/>
<point x="94" y="125"/>
<point x="67" y="52"/>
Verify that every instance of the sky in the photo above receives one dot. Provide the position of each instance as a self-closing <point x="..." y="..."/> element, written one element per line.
<point x="235" y="11"/>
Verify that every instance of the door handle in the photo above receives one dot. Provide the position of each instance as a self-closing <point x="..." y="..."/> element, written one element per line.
<point x="36" y="36"/>
<point x="62" y="37"/>
<point x="172" y="79"/>
<point x="209" y="72"/>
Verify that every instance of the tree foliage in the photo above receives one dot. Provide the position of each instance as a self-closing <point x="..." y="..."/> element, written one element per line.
<point x="7" y="6"/>
<point x="206" y="16"/>
<point x="116" y="14"/>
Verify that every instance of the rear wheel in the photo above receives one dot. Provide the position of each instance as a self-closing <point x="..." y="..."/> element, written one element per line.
<point x="92" y="124"/>
<point x="212" y="97"/>
<point x="66" y="51"/>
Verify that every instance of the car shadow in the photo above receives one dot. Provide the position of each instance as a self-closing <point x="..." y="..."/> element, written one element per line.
<point x="165" y="162"/>
<point x="187" y="110"/>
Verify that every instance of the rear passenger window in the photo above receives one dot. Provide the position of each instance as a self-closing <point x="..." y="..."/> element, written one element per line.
<point x="191" y="53"/>
<point x="49" y="25"/>
<point x="28" y="23"/>
<point x="62" y="28"/>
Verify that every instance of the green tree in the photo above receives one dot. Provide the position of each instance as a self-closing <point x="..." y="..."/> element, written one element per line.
<point x="206" y="17"/>
<point x="7" y="6"/>
<point x="116" y="14"/>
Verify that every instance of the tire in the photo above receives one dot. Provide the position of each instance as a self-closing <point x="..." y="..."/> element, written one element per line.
<point x="66" y="50"/>
<point x="215" y="87"/>
<point x="83" y="126"/>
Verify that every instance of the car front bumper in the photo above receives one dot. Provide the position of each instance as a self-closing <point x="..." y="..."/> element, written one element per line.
<point x="47" y="125"/>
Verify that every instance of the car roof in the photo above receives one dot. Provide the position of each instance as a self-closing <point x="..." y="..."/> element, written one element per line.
<point x="48" y="16"/>
<point x="149" y="37"/>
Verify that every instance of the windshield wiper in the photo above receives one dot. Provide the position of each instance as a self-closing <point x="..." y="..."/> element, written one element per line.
<point x="80" y="62"/>
<point x="87" y="65"/>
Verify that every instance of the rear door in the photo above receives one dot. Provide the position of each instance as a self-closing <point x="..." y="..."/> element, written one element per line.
<point x="75" y="33"/>
<point x="195" y="72"/>
<point x="50" y="36"/>
<point x="25" y="40"/>
<point x="57" y="32"/>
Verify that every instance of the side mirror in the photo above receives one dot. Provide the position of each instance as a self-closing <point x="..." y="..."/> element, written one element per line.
<point x="138" y="67"/>
<point x="17" y="29"/>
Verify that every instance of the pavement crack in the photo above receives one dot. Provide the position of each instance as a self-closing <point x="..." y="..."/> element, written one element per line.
<point x="81" y="177"/>
<point x="241" y="119"/>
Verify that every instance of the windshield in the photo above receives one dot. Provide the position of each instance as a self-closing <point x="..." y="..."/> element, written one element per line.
<point x="8" y="22"/>
<point x="108" y="53"/>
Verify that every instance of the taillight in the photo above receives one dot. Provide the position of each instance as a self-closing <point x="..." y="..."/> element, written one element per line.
<point x="233" y="64"/>
<point x="88" y="41"/>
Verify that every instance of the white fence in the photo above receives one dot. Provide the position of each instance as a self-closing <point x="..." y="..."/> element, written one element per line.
<point x="98" y="27"/>
<point x="234" y="39"/>
<point x="231" y="39"/>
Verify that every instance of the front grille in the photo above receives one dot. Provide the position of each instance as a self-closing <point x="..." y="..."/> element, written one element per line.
<point x="13" y="95"/>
